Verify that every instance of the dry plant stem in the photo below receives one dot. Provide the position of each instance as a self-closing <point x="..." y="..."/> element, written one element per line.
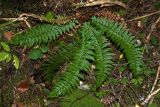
<point x="154" y="85"/>
<point x="8" y="19"/>
<point x="105" y="3"/>
<point x="147" y="15"/>
<point x="25" y="16"/>
<point x="152" y="28"/>
<point x="155" y="82"/>
<point x="152" y="93"/>
<point x="150" y="96"/>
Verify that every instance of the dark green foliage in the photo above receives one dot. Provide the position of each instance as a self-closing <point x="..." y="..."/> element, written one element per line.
<point x="103" y="61"/>
<point x="35" y="54"/>
<point x="89" y="47"/>
<point x="80" y="98"/>
<point x="56" y="60"/>
<point x="41" y="34"/>
<point x="77" y="63"/>
<point x="123" y="39"/>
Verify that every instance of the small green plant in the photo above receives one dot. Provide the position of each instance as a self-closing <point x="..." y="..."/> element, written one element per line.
<point x="90" y="46"/>
<point x="80" y="98"/>
<point x="38" y="52"/>
<point x="6" y="55"/>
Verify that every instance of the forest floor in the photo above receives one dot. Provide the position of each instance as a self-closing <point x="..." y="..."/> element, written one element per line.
<point x="26" y="87"/>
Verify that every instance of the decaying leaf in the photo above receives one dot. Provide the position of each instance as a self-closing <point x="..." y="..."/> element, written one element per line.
<point x="23" y="86"/>
<point x="8" y="35"/>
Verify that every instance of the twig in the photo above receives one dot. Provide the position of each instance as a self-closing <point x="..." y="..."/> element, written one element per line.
<point x="152" y="28"/>
<point x="8" y="19"/>
<point x="152" y="93"/>
<point x="25" y="16"/>
<point x="102" y="3"/>
<point x="155" y="82"/>
<point x="147" y="15"/>
<point x="150" y="96"/>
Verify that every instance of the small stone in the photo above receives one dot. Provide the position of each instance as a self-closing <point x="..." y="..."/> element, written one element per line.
<point x="80" y="83"/>
<point x="138" y="42"/>
<point x="139" y="24"/>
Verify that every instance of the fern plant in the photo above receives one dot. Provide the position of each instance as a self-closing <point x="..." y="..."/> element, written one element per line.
<point x="123" y="39"/>
<point x="41" y="34"/>
<point x="89" y="47"/>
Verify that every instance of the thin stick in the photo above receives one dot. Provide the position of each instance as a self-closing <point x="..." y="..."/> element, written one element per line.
<point x="147" y="15"/>
<point x="152" y="28"/>
<point x="104" y="2"/>
<point x="8" y="19"/>
<point x="150" y="96"/>
<point x="155" y="82"/>
<point x="152" y="93"/>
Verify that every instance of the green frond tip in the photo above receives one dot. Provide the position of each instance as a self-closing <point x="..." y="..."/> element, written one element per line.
<point x="41" y="34"/>
<point x="123" y="39"/>
<point x="103" y="60"/>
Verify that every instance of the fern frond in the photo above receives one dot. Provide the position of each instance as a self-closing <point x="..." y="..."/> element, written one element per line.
<point x="41" y="34"/>
<point x="123" y="39"/>
<point x="60" y="57"/>
<point x="103" y="56"/>
<point x="103" y="60"/>
<point x="78" y="62"/>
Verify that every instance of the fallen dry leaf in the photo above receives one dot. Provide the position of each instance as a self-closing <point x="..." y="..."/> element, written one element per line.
<point x="8" y="35"/>
<point x="37" y="66"/>
<point x="23" y="86"/>
<point x="18" y="105"/>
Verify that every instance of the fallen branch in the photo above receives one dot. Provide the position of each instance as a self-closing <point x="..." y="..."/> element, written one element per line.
<point x="102" y="3"/>
<point x="150" y="96"/>
<point x="25" y="16"/>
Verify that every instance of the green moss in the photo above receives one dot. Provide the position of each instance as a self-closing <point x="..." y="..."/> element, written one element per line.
<point x="80" y="98"/>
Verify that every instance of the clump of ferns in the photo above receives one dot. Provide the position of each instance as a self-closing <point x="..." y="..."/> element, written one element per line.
<point x="89" y="48"/>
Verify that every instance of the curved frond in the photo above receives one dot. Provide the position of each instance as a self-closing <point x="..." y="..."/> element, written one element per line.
<point x="103" y="60"/>
<point x="78" y="62"/>
<point x="41" y="34"/>
<point x="123" y="39"/>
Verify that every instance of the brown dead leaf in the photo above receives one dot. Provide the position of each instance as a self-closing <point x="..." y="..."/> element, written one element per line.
<point x="37" y="66"/>
<point x="23" y="86"/>
<point x="107" y="100"/>
<point x="18" y="105"/>
<point x="8" y="35"/>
